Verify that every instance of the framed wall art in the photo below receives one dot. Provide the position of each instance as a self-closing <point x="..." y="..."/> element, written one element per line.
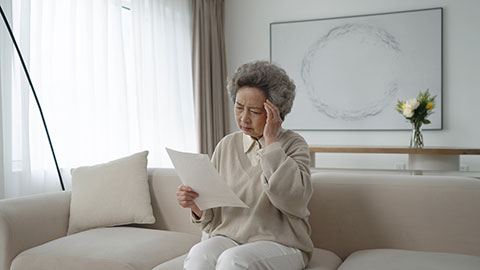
<point x="350" y="71"/>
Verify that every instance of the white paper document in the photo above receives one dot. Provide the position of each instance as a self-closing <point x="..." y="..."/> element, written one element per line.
<point x="197" y="172"/>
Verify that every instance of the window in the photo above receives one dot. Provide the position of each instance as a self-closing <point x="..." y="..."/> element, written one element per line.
<point x="113" y="78"/>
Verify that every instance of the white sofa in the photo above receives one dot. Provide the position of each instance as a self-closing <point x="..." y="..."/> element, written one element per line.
<point x="359" y="222"/>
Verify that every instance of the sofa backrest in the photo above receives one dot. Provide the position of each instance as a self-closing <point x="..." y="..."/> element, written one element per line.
<point x="352" y="212"/>
<point x="168" y="214"/>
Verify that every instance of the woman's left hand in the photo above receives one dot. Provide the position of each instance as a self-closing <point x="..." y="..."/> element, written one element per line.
<point x="274" y="123"/>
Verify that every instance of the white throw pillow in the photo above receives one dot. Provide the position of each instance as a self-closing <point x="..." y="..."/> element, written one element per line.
<point x="114" y="193"/>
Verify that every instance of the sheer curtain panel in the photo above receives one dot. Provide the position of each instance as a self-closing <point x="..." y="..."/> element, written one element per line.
<point x="162" y="43"/>
<point x="5" y="83"/>
<point x="107" y="85"/>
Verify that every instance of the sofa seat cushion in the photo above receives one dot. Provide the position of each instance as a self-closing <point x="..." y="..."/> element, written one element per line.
<point x="173" y="264"/>
<point x="119" y="248"/>
<point x="321" y="260"/>
<point x="395" y="259"/>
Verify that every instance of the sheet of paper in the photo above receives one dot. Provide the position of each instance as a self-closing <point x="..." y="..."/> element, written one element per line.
<point x="197" y="172"/>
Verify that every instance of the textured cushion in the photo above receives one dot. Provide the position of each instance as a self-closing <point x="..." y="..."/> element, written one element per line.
<point x="119" y="248"/>
<point x="394" y="259"/>
<point x="321" y="260"/>
<point x="114" y="193"/>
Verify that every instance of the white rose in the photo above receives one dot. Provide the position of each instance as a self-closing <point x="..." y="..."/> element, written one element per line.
<point x="408" y="112"/>
<point x="412" y="104"/>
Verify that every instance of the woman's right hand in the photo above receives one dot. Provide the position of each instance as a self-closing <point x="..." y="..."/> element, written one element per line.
<point x="185" y="197"/>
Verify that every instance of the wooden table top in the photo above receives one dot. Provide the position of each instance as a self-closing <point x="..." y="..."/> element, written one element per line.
<point x="393" y="150"/>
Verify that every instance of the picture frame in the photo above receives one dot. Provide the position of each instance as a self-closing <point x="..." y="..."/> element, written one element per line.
<point x="350" y="71"/>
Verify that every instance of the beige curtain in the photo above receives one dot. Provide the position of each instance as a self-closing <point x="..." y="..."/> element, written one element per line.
<point x="209" y="73"/>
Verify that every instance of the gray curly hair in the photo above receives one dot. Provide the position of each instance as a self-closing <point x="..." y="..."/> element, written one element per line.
<point x="272" y="80"/>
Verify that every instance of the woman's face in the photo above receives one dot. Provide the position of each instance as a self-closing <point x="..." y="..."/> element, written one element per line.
<point x="250" y="112"/>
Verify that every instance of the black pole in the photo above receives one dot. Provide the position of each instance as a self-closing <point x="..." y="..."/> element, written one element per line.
<point x="34" y="94"/>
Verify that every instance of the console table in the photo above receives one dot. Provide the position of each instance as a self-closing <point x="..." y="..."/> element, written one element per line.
<point x="427" y="158"/>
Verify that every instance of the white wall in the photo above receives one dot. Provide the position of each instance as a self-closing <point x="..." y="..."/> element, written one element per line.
<point x="247" y="38"/>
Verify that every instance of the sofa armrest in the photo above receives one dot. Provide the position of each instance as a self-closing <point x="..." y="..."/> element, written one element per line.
<point x="29" y="221"/>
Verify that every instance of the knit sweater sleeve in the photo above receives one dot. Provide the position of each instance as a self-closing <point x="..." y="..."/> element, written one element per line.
<point x="286" y="176"/>
<point x="205" y="221"/>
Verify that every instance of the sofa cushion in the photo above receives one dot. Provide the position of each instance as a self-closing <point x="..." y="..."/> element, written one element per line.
<point x="321" y="260"/>
<point x="114" y="193"/>
<point x="359" y="211"/>
<point x="173" y="264"/>
<point x="395" y="259"/>
<point x="119" y="248"/>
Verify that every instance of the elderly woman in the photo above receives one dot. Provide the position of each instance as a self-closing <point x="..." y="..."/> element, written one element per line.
<point x="268" y="168"/>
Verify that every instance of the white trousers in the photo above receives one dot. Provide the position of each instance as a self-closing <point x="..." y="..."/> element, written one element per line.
<point x="222" y="253"/>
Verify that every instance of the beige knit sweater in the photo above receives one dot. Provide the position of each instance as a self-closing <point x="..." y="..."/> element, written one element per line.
<point x="277" y="190"/>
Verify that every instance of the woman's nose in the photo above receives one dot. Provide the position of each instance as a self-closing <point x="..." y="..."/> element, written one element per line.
<point x="244" y="117"/>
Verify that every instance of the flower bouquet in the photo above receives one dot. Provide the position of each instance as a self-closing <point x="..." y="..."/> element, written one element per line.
<point x="416" y="111"/>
